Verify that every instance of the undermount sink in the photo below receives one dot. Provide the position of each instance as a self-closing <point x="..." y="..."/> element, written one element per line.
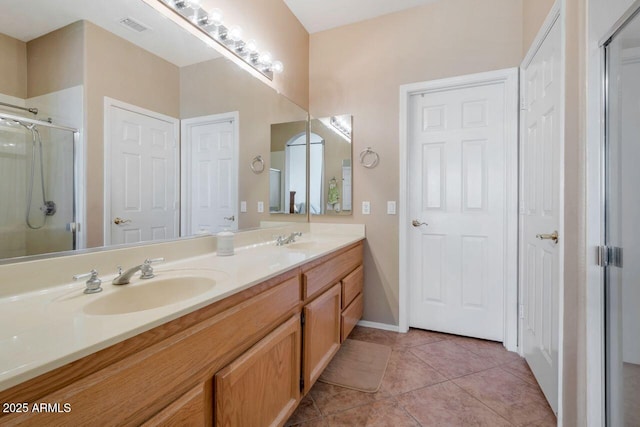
<point x="152" y="294"/>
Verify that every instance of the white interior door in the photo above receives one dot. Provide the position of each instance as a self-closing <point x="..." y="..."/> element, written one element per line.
<point x="458" y="151"/>
<point x="540" y="212"/>
<point x="210" y="145"/>
<point x="141" y="175"/>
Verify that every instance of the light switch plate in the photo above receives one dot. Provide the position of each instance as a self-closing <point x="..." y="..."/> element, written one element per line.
<point x="391" y="207"/>
<point x="366" y="208"/>
<point x="260" y="207"/>
<point x="243" y="206"/>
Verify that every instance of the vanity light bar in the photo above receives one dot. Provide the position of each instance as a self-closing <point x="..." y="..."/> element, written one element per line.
<point x="211" y="24"/>
<point x="342" y="126"/>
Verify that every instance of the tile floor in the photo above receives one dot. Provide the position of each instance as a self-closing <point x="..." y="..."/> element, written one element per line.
<point x="433" y="379"/>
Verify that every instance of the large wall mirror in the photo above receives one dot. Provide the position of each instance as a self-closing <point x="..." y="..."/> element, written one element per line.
<point x="166" y="129"/>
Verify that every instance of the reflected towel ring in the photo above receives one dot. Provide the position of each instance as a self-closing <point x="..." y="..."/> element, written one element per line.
<point x="369" y="152"/>
<point x="257" y="164"/>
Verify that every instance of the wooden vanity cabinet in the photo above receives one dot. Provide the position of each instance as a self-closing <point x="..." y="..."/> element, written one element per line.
<point x="238" y="361"/>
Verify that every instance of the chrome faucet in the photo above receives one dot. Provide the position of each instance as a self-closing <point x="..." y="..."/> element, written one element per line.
<point x="283" y="240"/>
<point x="146" y="272"/>
<point x="92" y="284"/>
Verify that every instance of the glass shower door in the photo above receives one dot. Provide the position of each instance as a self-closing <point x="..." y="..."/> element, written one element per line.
<point x="622" y="227"/>
<point x="37" y="187"/>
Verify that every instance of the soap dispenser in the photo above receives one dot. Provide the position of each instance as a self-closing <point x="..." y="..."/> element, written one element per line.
<point x="225" y="243"/>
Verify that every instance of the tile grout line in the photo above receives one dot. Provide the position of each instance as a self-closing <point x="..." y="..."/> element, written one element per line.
<point x="483" y="404"/>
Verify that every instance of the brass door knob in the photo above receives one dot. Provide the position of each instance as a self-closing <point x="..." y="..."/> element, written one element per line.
<point x="417" y="223"/>
<point x="118" y="221"/>
<point x="553" y="236"/>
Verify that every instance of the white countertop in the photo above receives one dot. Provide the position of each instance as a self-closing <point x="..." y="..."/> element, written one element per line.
<point x="45" y="329"/>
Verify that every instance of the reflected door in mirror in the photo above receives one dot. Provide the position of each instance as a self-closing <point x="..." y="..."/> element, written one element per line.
<point x="210" y="173"/>
<point x="144" y="175"/>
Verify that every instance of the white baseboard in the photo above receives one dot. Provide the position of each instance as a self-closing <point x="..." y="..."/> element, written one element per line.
<point x="376" y="325"/>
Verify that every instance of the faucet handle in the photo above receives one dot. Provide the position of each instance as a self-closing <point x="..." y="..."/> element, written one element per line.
<point x="92" y="284"/>
<point x="146" y="269"/>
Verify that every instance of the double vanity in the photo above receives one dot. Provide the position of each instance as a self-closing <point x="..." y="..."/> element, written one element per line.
<point x="208" y="340"/>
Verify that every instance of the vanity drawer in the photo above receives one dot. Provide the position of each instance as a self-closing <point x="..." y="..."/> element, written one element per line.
<point x="330" y="272"/>
<point x="350" y="317"/>
<point x="352" y="286"/>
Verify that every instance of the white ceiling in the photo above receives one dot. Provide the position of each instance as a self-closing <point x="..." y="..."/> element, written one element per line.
<point x="27" y="20"/>
<point x="320" y="15"/>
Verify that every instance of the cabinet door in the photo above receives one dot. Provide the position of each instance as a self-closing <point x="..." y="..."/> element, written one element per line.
<point x="321" y="334"/>
<point x="261" y="387"/>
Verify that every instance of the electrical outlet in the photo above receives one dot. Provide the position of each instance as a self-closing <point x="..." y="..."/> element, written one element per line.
<point x="391" y="207"/>
<point x="260" y="207"/>
<point x="243" y="206"/>
<point x="366" y="208"/>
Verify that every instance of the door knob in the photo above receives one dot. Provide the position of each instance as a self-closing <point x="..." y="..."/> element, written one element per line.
<point x="118" y="221"/>
<point x="230" y="218"/>
<point x="417" y="223"/>
<point x="553" y="236"/>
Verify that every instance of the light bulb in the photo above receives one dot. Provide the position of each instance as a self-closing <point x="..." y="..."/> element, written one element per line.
<point x="215" y="17"/>
<point x="235" y="33"/>
<point x="277" y="67"/>
<point x="251" y="46"/>
<point x="265" y="58"/>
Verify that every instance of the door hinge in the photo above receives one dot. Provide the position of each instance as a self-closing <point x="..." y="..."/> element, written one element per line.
<point x="523" y="102"/>
<point x="302" y="318"/>
<point x="301" y="384"/>
<point x="521" y="311"/>
<point x="609" y="256"/>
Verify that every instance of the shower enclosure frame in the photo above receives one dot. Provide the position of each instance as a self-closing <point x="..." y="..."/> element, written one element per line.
<point x="78" y="166"/>
<point x="609" y="257"/>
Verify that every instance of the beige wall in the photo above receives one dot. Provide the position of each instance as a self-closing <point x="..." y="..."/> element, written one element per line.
<point x="277" y="30"/>
<point x="534" y="13"/>
<point x="119" y="69"/>
<point x="55" y="61"/>
<point x="281" y="133"/>
<point x="13" y="67"/>
<point x="219" y="86"/>
<point x="357" y="69"/>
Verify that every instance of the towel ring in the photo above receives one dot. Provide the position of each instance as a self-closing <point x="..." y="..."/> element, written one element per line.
<point x="368" y="152"/>
<point x="257" y="164"/>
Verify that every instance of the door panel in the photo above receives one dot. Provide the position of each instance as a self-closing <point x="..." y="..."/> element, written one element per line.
<point x="540" y="213"/>
<point x="457" y="185"/>
<point x="144" y="177"/>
